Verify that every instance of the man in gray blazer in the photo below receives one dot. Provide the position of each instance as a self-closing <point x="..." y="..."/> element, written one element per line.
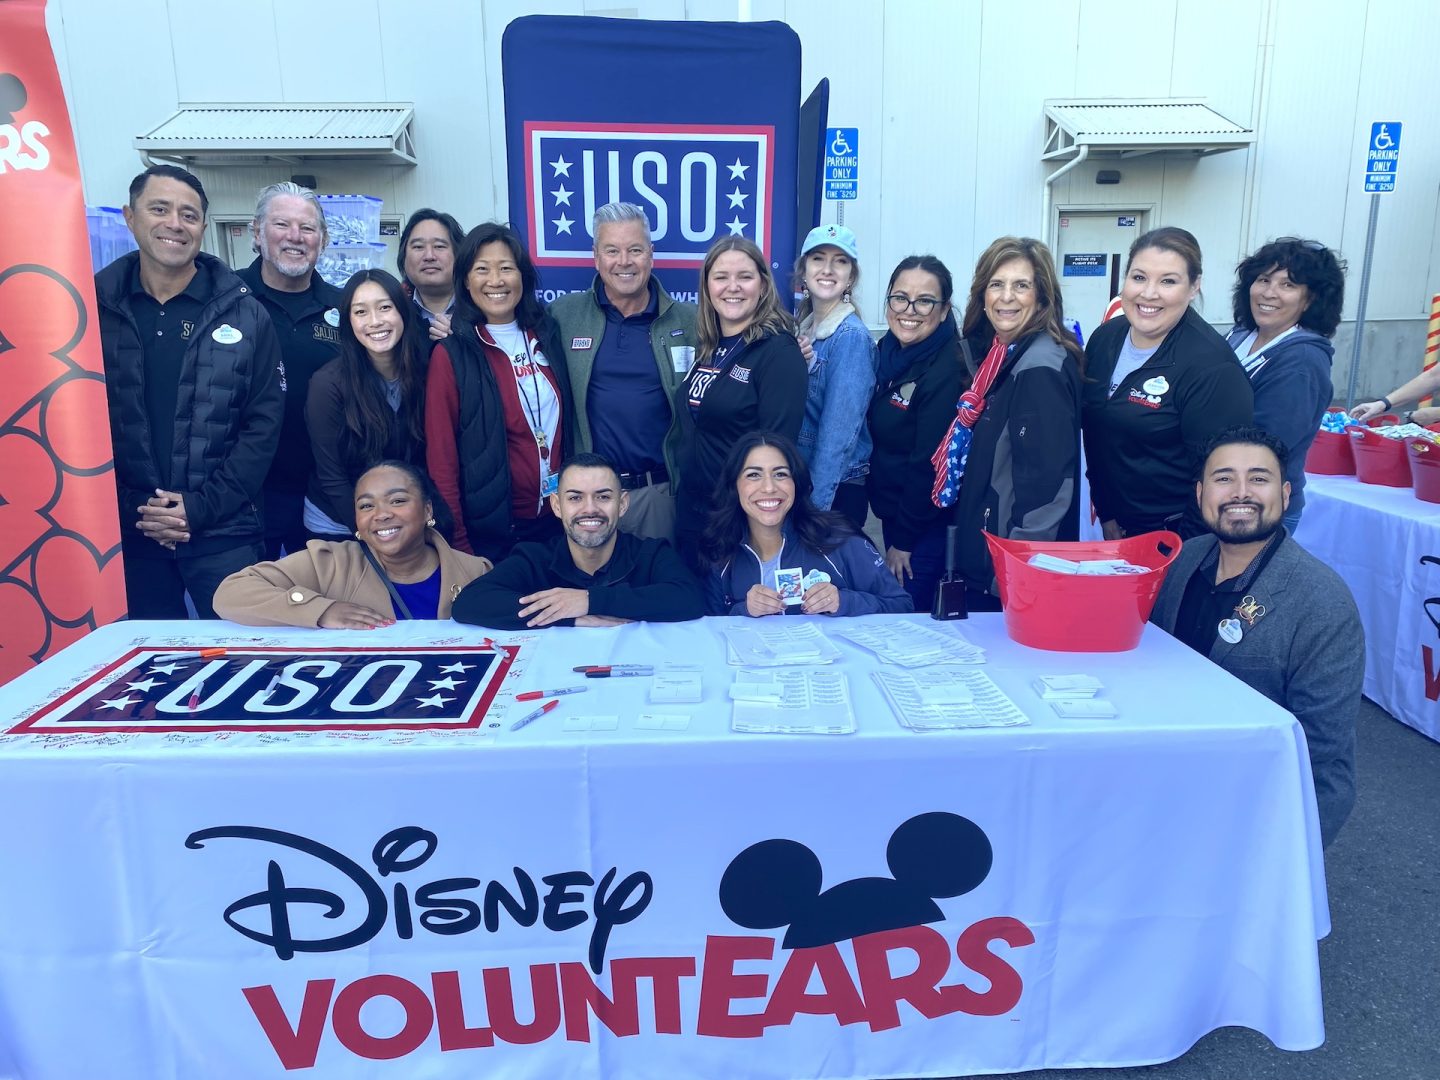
<point x="1267" y="611"/>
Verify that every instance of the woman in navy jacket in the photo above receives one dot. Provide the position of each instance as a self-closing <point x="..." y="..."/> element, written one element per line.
<point x="764" y="523"/>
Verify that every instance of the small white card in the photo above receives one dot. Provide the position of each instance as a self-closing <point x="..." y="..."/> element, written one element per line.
<point x="790" y="584"/>
<point x="662" y="722"/>
<point x="592" y="723"/>
<point x="1088" y="709"/>
<point x="676" y="684"/>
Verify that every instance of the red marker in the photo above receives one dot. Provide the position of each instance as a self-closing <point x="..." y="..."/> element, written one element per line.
<point x="536" y="695"/>
<point x="541" y="711"/>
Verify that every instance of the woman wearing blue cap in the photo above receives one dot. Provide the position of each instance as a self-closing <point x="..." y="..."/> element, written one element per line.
<point x="834" y="439"/>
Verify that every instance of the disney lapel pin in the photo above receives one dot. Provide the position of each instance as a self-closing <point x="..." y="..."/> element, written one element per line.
<point x="1250" y="610"/>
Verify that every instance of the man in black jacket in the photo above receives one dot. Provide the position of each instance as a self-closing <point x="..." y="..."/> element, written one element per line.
<point x="191" y="373"/>
<point x="289" y="232"/>
<point x="595" y="576"/>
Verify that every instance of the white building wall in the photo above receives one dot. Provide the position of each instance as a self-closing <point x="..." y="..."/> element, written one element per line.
<point x="947" y="94"/>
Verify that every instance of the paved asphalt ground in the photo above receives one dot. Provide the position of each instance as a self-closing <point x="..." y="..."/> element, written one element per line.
<point x="1380" y="966"/>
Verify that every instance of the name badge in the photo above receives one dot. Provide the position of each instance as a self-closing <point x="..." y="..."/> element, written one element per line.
<point x="549" y="485"/>
<point x="332" y="317"/>
<point x="581" y="343"/>
<point x="225" y="334"/>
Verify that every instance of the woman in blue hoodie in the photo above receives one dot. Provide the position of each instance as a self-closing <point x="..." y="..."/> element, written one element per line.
<point x="764" y="525"/>
<point x="1288" y="297"/>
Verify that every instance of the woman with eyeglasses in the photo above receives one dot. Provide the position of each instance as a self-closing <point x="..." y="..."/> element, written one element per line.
<point x="919" y="379"/>
<point x="748" y="375"/>
<point x="834" y="439"/>
<point x="1288" y="297"/>
<point x="1019" y="423"/>
<point x="1160" y="382"/>
<point x="499" y="416"/>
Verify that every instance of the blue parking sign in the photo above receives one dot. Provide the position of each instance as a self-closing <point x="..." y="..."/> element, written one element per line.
<point x="842" y="163"/>
<point x="1382" y="159"/>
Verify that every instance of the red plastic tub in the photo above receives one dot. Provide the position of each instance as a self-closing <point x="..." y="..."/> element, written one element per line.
<point x="1331" y="455"/>
<point x="1425" y="470"/>
<point x="1379" y="460"/>
<point x="1064" y="613"/>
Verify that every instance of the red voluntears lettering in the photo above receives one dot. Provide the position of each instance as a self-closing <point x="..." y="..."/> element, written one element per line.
<point x="345" y="1020"/>
<point x="883" y="990"/>
<point x="450" y="1015"/>
<point x="973" y="949"/>
<point x="500" y="1004"/>
<point x="840" y="999"/>
<point x="720" y="985"/>
<point x="298" y="1046"/>
<point x="1432" y="677"/>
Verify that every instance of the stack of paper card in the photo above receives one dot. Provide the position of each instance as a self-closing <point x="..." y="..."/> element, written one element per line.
<point x="942" y="700"/>
<point x="1073" y="696"/>
<point x="1089" y="567"/>
<point x="809" y="703"/>
<point x="912" y="644"/>
<point x="676" y="684"/>
<point x="779" y="643"/>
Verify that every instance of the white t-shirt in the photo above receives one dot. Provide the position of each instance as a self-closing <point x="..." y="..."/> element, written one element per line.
<point x="537" y="394"/>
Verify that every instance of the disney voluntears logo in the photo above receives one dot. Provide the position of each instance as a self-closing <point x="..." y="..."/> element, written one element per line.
<point x="406" y="888"/>
<point x="21" y="143"/>
<point x="1151" y="392"/>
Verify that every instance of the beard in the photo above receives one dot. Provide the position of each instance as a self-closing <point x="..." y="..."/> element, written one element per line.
<point x="1254" y="531"/>
<point x="590" y="539"/>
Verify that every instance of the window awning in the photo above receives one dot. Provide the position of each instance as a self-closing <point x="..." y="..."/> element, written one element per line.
<point x="1130" y="127"/>
<point x="229" y="133"/>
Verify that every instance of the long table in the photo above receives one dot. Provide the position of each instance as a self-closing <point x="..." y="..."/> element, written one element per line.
<point x="1385" y="544"/>
<point x="371" y="898"/>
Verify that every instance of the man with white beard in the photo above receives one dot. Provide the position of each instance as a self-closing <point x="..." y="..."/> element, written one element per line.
<point x="289" y="233"/>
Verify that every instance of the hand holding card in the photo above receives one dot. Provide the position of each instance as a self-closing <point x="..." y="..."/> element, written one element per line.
<point x="790" y="584"/>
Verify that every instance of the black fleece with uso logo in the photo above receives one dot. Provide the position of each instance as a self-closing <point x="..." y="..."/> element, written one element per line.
<point x="757" y="387"/>
<point x="1142" y="449"/>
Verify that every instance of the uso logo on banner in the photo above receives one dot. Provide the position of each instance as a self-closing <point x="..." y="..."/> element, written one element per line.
<point x="696" y="183"/>
<point x="630" y="110"/>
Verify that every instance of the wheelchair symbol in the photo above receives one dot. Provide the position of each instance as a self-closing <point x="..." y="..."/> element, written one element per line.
<point x="1382" y="138"/>
<point x="838" y="146"/>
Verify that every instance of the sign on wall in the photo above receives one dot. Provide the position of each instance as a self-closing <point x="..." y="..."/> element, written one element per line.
<point x="842" y="163"/>
<point x="704" y="165"/>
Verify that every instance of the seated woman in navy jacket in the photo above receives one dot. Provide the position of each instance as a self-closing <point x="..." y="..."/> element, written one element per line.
<point x="764" y="525"/>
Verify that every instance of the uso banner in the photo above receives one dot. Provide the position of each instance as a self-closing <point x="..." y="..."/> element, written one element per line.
<point x="60" y="573"/>
<point x="697" y="122"/>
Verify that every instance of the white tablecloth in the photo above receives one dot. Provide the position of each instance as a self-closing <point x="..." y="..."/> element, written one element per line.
<point x="1375" y="538"/>
<point x="1154" y="877"/>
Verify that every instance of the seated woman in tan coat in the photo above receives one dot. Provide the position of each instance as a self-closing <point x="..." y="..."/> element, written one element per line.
<point x="400" y="568"/>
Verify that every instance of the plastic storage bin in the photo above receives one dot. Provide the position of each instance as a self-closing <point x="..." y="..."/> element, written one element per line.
<point x="1062" y="613"/>
<point x="351" y="220"/>
<point x="1331" y="454"/>
<point x="1425" y="470"/>
<point x="339" y="261"/>
<point x="1379" y="460"/>
<point x="109" y="236"/>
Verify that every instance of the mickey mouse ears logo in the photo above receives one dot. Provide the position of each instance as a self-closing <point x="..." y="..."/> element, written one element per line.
<point x="13" y="97"/>
<point x="777" y="883"/>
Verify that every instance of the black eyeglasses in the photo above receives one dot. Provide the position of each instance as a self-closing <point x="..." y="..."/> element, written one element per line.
<point x="900" y="303"/>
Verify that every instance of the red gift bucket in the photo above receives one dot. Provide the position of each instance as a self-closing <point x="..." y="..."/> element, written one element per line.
<point x="1379" y="460"/>
<point x="1331" y="455"/>
<point x="1425" y="470"/>
<point x="1081" y="612"/>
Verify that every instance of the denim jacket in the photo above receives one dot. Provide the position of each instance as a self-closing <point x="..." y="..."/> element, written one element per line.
<point x="834" y="438"/>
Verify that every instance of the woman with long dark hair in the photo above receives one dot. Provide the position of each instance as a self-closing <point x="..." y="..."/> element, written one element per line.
<point x="1022" y="464"/>
<point x="368" y="404"/>
<point x="499" y="416"/>
<point x="764" y="525"/>
<point x="748" y="376"/>
<point x="921" y="373"/>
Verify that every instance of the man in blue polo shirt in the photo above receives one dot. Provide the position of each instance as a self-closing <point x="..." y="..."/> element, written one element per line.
<point x="289" y="231"/>
<point x="628" y="346"/>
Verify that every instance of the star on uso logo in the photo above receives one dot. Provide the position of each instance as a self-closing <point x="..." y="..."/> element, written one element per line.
<point x="696" y="182"/>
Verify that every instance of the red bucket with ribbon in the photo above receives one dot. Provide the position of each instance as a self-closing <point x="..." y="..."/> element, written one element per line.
<point x="1080" y="612"/>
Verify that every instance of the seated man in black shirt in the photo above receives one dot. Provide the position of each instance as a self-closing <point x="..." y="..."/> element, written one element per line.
<point x="594" y="576"/>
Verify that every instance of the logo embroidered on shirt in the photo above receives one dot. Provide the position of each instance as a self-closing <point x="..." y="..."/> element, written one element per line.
<point x="740" y="374"/>
<point x="1139" y="397"/>
<point x="581" y="342"/>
